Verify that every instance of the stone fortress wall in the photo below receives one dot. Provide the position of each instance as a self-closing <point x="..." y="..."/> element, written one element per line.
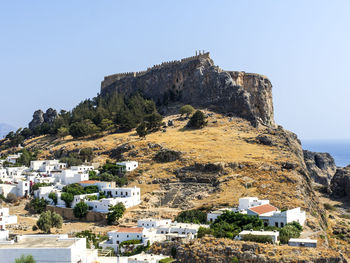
<point x="114" y="77"/>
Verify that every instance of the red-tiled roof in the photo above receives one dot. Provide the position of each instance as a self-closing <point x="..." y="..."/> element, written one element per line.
<point x="89" y="182"/>
<point x="130" y="230"/>
<point x="262" y="209"/>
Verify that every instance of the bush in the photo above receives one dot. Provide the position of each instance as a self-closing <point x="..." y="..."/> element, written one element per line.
<point x="91" y="238"/>
<point x="48" y="220"/>
<point x="25" y="259"/>
<point x="166" y="260"/>
<point x="37" y="205"/>
<point x="186" y="109"/>
<point x="291" y="230"/>
<point x="202" y="231"/>
<point x="197" y="121"/>
<point x="80" y="210"/>
<point x="11" y="198"/>
<point x="53" y="197"/>
<point x="37" y="185"/>
<point x="67" y="198"/>
<point x="130" y="242"/>
<point x="115" y="213"/>
<point x="258" y="239"/>
<point x="62" y="132"/>
<point x="192" y="216"/>
<point x="329" y="207"/>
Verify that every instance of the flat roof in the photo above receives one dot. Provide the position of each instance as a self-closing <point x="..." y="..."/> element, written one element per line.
<point x="41" y="242"/>
<point x="130" y="230"/>
<point x="263" y="233"/>
<point x="301" y="240"/>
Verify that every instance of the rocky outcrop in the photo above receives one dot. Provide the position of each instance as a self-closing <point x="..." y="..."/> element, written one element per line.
<point x="340" y="184"/>
<point x="167" y="155"/>
<point x="197" y="81"/>
<point x="210" y="250"/>
<point x="321" y="166"/>
<point x="39" y="118"/>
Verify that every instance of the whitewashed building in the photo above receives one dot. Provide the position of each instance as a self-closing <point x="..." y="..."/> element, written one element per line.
<point x="213" y="215"/>
<point x="248" y="202"/>
<point x="129" y="165"/>
<point x="12" y="158"/>
<point x="82" y="168"/>
<point x="99" y="184"/>
<point x="47" y="248"/>
<point x="5" y="219"/>
<point x="71" y="177"/>
<point x="145" y="258"/>
<point x="299" y="242"/>
<point x="20" y="189"/>
<point x="180" y="229"/>
<point x="47" y="165"/>
<point x="153" y="223"/>
<point x="280" y="219"/>
<point x="273" y="234"/>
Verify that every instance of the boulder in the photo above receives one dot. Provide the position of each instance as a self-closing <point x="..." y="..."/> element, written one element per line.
<point x="321" y="166"/>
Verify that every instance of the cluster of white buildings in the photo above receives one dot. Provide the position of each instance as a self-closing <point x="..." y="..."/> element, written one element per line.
<point x="19" y="180"/>
<point x="151" y="230"/>
<point x="270" y="215"/>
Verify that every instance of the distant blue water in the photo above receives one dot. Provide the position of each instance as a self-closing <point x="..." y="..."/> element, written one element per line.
<point x="339" y="149"/>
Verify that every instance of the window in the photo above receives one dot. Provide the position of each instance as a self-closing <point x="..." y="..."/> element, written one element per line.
<point x="276" y="224"/>
<point x="127" y="235"/>
<point x="117" y="242"/>
<point x="282" y="224"/>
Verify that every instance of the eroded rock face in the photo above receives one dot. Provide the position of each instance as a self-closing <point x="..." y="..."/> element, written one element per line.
<point x="321" y="166"/>
<point x="340" y="184"/>
<point x="39" y="118"/>
<point x="197" y="81"/>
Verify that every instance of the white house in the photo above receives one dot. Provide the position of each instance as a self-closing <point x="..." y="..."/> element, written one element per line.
<point x="129" y="165"/>
<point x="6" y="218"/>
<point x="82" y="168"/>
<point x="146" y="258"/>
<point x="20" y="189"/>
<point x="180" y="229"/>
<point x="47" y="248"/>
<point x="13" y="158"/>
<point x="15" y="172"/>
<point x="71" y="177"/>
<point x="262" y="210"/>
<point x="124" y="234"/>
<point x="248" y="202"/>
<point x="213" y="215"/>
<point x="3" y="174"/>
<point x="298" y="242"/>
<point x="273" y="234"/>
<point x="280" y="219"/>
<point x="99" y="184"/>
<point x="153" y="223"/>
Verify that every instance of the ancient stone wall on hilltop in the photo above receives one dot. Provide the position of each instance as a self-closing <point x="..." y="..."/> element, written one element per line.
<point x="197" y="81"/>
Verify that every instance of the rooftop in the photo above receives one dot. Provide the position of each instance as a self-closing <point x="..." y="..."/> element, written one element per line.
<point x="262" y="209"/>
<point x="300" y="240"/>
<point x="46" y="241"/>
<point x="130" y="230"/>
<point x="258" y="233"/>
<point x="89" y="182"/>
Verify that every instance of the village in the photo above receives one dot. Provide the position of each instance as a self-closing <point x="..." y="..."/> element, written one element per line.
<point x="255" y="220"/>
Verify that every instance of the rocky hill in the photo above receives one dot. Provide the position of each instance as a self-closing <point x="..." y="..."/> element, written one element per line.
<point x="197" y="81"/>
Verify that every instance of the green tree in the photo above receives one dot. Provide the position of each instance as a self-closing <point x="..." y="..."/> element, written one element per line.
<point x="106" y="124"/>
<point x="192" y="216"/>
<point x="25" y="259"/>
<point x="197" y="121"/>
<point x="80" y="210"/>
<point x="25" y="158"/>
<point x="142" y="130"/>
<point x="62" y="132"/>
<point x="67" y="198"/>
<point x="37" y="205"/>
<point x="53" y="197"/>
<point x="291" y="230"/>
<point x="153" y="122"/>
<point x="115" y="213"/>
<point x="48" y="220"/>
<point x="186" y="109"/>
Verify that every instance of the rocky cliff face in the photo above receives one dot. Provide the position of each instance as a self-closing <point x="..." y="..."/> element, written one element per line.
<point x="39" y="117"/>
<point x="321" y="166"/>
<point x="197" y="81"/>
<point x="340" y="184"/>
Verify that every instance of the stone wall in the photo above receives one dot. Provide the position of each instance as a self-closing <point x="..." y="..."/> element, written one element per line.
<point x="67" y="213"/>
<point x="197" y="81"/>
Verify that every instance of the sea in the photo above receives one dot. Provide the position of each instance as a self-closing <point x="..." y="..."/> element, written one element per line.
<point x="339" y="149"/>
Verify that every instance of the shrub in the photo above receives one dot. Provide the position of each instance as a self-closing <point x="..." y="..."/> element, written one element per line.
<point x="53" y="197"/>
<point x="258" y="239"/>
<point x="62" y="132"/>
<point x="91" y="189"/>
<point x="202" y="231"/>
<point x="130" y="242"/>
<point x="166" y="260"/>
<point x="25" y="259"/>
<point x="11" y="198"/>
<point x="291" y="230"/>
<point x="186" y="109"/>
<point x="115" y="213"/>
<point x="329" y="207"/>
<point x="192" y="216"/>
<point x="37" y="205"/>
<point x="197" y="120"/>
<point x="67" y="198"/>
<point x="80" y="210"/>
<point x="48" y="220"/>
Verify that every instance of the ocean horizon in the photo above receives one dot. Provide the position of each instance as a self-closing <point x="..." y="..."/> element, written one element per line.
<point x="339" y="149"/>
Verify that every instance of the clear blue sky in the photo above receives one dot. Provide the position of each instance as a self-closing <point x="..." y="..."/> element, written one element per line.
<point x="55" y="53"/>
